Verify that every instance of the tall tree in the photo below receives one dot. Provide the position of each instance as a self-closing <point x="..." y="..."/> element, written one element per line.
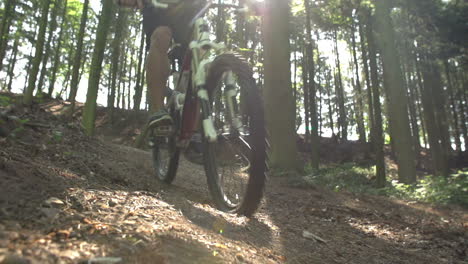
<point x="105" y="19"/>
<point x="358" y="89"/>
<point x="58" y="49"/>
<point x="394" y="86"/>
<point x="365" y="64"/>
<point x="14" y="54"/>
<point x="5" y="24"/>
<point x="278" y="90"/>
<point x="116" y="54"/>
<point x="315" y="141"/>
<point x="28" y="96"/>
<point x="340" y="93"/>
<point x="434" y="129"/>
<point x="45" y="57"/>
<point x="377" y="136"/>
<point x="139" y="86"/>
<point x="78" y="57"/>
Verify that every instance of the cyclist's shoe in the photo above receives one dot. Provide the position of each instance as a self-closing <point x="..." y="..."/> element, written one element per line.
<point x="161" y="122"/>
<point x="194" y="151"/>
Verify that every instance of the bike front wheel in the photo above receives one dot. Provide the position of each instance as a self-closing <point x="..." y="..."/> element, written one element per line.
<point x="165" y="156"/>
<point x="235" y="163"/>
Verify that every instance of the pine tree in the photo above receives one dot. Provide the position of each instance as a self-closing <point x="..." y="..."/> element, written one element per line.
<point x="393" y="83"/>
<point x="105" y="19"/>
<point x="28" y="96"/>
<point x="278" y="90"/>
<point x="78" y="57"/>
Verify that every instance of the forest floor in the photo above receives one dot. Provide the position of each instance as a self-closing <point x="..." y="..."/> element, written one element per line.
<point x="68" y="198"/>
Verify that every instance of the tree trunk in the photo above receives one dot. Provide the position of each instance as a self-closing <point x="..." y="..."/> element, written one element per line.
<point x="315" y="142"/>
<point x="131" y="66"/>
<point x="116" y="50"/>
<point x="45" y="59"/>
<point x="453" y="107"/>
<point x="5" y="24"/>
<point x="105" y="19"/>
<point x="412" y="101"/>
<point x="433" y="130"/>
<point x="295" y="79"/>
<point x="370" y="103"/>
<point x="358" y="93"/>
<point x="278" y="90"/>
<point x="463" y="86"/>
<point x="78" y="58"/>
<point x="330" y="108"/>
<point x="58" y="49"/>
<point x="377" y="136"/>
<point x="418" y="91"/>
<point x="342" y="119"/>
<point x="28" y="96"/>
<point x="240" y="28"/>
<point x="139" y="86"/>
<point x="12" y="63"/>
<point x="305" y="82"/>
<point x="393" y="82"/>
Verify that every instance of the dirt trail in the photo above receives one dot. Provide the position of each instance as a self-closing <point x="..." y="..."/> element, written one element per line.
<point x="66" y="198"/>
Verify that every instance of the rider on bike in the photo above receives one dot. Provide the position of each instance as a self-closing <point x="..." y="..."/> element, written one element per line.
<point x="160" y="26"/>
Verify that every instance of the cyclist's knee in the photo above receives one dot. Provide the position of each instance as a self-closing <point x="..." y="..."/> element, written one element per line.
<point x="161" y="38"/>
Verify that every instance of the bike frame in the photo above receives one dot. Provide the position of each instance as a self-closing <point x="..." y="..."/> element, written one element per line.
<point x="192" y="81"/>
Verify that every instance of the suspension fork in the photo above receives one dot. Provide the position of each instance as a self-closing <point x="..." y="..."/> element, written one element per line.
<point x="230" y="97"/>
<point x="207" y="123"/>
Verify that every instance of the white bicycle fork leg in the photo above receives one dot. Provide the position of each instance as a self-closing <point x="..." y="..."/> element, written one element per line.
<point x="208" y="125"/>
<point x="230" y="96"/>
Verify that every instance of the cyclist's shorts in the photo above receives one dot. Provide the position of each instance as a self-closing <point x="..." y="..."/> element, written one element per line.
<point x="177" y="17"/>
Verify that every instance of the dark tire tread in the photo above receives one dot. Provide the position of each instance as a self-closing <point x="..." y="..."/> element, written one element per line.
<point x="257" y="176"/>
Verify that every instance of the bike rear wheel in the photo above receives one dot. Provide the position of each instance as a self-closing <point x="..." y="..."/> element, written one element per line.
<point x="235" y="164"/>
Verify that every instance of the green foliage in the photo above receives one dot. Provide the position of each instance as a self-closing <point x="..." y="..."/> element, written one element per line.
<point x="357" y="179"/>
<point x="5" y="100"/>
<point x="434" y="189"/>
<point x="347" y="176"/>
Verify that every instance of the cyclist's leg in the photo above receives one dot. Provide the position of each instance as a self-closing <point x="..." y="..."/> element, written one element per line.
<point x="158" y="67"/>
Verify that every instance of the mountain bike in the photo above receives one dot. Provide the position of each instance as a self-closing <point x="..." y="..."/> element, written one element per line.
<point x="215" y="90"/>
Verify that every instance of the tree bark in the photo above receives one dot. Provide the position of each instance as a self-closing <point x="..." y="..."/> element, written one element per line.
<point x="463" y="86"/>
<point x="52" y="28"/>
<point x="28" y="96"/>
<point x="433" y="129"/>
<point x="453" y="107"/>
<point x="116" y="50"/>
<point x="330" y="108"/>
<point x="342" y="119"/>
<point x="278" y="90"/>
<point x="315" y="141"/>
<point x="78" y="58"/>
<point x="12" y="62"/>
<point x="58" y="49"/>
<point x="139" y="86"/>
<point x="377" y="136"/>
<point x="89" y="114"/>
<point x="305" y="82"/>
<point x="5" y="27"/>
<point x="358" y="93"/>
<point x="370" y="103"/>
<point x="394" y="85"/>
